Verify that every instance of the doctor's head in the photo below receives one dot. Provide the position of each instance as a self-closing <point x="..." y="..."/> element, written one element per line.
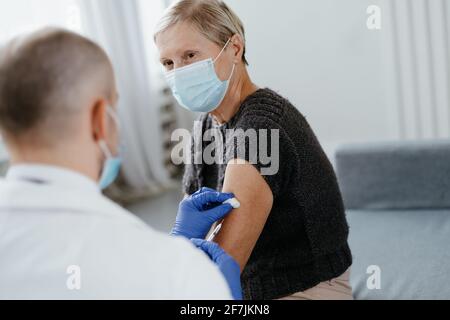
<point x="57" y="101"/>
<point x="202" y="49"/>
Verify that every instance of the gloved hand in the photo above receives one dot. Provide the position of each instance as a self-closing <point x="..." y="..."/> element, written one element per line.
<point x="199" y="212"/>
<point x="227" y="265"/>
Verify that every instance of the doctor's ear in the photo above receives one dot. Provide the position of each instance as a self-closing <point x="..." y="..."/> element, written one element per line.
<point x="98" y="120"/>
<point x="238" y="45"/>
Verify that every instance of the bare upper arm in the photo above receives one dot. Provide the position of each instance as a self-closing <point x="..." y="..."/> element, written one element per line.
<point x="242" y="228"/>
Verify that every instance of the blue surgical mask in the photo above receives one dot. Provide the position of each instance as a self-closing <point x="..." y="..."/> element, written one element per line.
<point x="197" y="87"/>
<point x="111" y="167"/>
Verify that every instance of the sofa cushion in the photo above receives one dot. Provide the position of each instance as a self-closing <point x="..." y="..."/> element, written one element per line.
<point x="411" y="175"/>
<point x="410" y="247"/>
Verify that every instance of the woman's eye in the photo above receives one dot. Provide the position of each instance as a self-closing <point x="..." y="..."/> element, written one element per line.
<point x="191" y="55"/>
<point x="167" y="64"/>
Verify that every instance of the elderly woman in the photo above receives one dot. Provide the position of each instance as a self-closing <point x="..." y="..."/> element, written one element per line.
<point x="290" y="233"/>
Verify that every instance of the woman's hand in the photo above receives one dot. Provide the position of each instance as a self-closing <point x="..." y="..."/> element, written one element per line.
<point x="199" y="212"/>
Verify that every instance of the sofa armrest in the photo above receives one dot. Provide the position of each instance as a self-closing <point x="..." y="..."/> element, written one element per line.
<point x="404" y="175"/>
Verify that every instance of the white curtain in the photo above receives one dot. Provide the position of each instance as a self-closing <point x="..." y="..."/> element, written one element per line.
<point x="115" y="25"/>
<point x="419" y="66"/>
<point x="3" y="153"/>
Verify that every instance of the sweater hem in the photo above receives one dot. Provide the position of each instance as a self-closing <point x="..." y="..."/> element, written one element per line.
<point x="321" y="269"/>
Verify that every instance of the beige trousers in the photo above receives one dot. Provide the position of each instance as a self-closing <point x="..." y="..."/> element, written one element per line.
<point x="336" y="289"/>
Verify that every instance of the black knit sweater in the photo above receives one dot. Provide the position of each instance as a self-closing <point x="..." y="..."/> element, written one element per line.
<point x="304" y="241"/>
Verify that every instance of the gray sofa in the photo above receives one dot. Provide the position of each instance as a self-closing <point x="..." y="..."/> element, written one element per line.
<point x="397" y="197"/>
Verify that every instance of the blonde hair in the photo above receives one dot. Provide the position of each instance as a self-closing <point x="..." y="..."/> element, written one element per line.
<point x="212" y="18"/>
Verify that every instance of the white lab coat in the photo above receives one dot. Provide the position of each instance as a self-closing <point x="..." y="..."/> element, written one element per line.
<point x="61" y="239"/>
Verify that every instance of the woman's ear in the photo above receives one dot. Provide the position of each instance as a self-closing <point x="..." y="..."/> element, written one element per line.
<point x="238" y="45"/>
<point x="98" y="120"/>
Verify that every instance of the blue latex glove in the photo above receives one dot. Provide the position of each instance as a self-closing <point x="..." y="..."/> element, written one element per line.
<point x="199" y="212"/>
<point x="227" y="265"/>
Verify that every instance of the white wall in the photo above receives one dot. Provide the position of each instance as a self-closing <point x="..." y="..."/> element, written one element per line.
<point x="321" y="55"/>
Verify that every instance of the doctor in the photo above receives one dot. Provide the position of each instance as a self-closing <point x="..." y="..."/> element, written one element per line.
<point x="59" y="237"/>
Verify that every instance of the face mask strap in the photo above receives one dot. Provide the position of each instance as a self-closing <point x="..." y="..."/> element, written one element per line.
<point x="232" y="72"/>
<point x="105" y="149"/>
<point x="114" y="116"/>
<point x="110" y="111"/>
<point x="234" y="65"/>
<point x="215" y="60"/>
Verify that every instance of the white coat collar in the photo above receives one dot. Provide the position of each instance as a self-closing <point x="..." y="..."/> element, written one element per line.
<point x="62" y="190"/>
<point x="56" y="176"/>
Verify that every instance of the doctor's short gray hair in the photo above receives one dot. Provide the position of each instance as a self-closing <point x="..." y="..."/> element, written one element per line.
<point x="45" y="77"/>
<point x="213" y="18"/>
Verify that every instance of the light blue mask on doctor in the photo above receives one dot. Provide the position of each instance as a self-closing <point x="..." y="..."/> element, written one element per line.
<point x="111" y="167"/>
<point x="197" y="87"/>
